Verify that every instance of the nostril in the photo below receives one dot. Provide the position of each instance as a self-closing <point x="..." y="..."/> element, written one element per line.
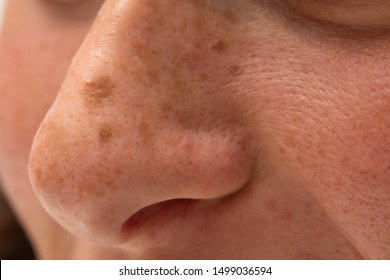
<point x="168" y="211"/>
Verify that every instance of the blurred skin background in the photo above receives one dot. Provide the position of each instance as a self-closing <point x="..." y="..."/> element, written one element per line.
<point x="13" y="242"/>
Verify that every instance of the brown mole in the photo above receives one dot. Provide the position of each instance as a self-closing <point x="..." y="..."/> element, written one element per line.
<point x="105" y="134"/>
<point x="98" y="90"/>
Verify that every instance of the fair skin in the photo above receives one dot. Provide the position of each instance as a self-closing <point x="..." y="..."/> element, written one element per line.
<point x="196" y="129"/>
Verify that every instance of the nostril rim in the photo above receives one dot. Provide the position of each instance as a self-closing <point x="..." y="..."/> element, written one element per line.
<point x="174" y="209"/>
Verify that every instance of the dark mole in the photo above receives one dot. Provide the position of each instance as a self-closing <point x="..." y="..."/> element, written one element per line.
<point x="219" y="47"/>
<point x="98" y="90"/>
<point x="105" y="134"/>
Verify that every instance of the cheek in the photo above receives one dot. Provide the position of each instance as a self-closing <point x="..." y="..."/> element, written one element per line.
<point x="341" y="142"/>
<point x="330" y="126"/>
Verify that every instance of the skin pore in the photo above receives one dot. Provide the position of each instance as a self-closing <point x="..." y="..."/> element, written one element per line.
<point x="197" y="129"/>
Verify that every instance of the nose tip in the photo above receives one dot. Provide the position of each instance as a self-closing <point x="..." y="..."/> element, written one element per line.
<point x="74" y="183"/>
<point x="92" y="187"/>
<point x="92" y="176"/>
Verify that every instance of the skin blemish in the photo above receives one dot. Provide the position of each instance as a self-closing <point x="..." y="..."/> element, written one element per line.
<point x="271" y="204"/>
<point x="189" y="147"/>
<point x="98" y="91"/>
<point x="204" y="77"/>
<point x="38" y="174"/>
<point x="288" y="216"/>
<point x="146" y="133"/>
<point x="166" y="108"/>
<point x="105" y="134"/>
<point x="235" y="70"/>
<point x="219" y="47"/>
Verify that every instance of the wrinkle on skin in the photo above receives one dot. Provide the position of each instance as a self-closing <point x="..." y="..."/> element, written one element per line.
<point x="356" y="14"/>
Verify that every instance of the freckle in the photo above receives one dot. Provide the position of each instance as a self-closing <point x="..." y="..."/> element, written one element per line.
<point x="38" y="174"/>
<point x="118" y="171"/>
<point x="170" y="142"/>
<point x="321" y="153"/>
<point x="219" y="47"/>
<point x="204" y="77"/>
<point x="189" y="148"/>
<point x="98" y="90"/>
<point x="291" y="142"/>
<point x="166" y="108"/>
<point x="235" y="70"/>
<point x="288" y="216"/>
<point x="99" y="193"/>
<point x="81" y="190"/>
<point x="145" y="133"/>
<point x="282" y="150"/>
<point x="271" y="204"/>
<point x="141" y="47"/>
<point x="153" y="75"/>
<point x="105" y="134"/>
<point x="345" y="161"/>
<point x="229" y="15"/>
<point x="109" y="183"/>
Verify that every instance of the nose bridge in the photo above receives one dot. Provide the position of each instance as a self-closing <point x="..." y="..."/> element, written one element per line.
<point x="101" y="51"/>
<point x="150" y="41"/>
<point x="127" y="34"/>
<point x="126" y="52"/>
<point x="115" y="67"/>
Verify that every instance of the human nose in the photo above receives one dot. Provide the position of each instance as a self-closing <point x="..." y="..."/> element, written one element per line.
<point x="137" y="123"/>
